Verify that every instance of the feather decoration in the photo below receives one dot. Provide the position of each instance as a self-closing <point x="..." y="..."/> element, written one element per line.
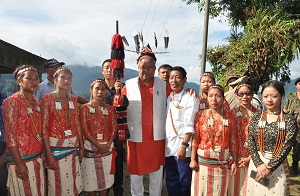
<point x="166" y="38"/>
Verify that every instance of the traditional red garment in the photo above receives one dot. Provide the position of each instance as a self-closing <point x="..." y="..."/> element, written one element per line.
<point x="204" y="140"/>
<point x="242" y="134"/>
<point x="55" y="121"/>
<point x="147" y="156"/>
<point x="20" y="129"/>
<point x="91" y="123"/>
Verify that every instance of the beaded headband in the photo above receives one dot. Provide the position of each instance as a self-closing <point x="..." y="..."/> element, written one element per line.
<point x="98" y="80"/>
<point x="216" y="86"/>
<point x="61" y="69"/>
<point x="30" y="68"/>
<point x="241" y="85"/>
<point x="208" y="74"/>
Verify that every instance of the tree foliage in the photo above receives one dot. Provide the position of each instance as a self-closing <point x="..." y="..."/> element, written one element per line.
<point x="271" y="40"/>
<point x="238" y="11"/>
<point x="268" y="42"/>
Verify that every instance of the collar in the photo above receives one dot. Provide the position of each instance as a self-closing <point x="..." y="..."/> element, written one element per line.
<point x="178" y="96"/>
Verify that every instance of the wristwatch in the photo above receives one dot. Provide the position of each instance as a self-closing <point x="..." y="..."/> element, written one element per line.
<point x="185" y="144"/>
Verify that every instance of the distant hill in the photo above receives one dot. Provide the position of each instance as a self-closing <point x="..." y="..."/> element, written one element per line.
<point x="83" y="75"/>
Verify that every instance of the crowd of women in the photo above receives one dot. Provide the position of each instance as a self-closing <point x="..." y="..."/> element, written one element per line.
<point x="48" y="136"/>
<point x="235" y="151"/>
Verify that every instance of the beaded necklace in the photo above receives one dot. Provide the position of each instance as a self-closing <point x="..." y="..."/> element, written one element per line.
<point x="280" y="136"/>
<point x="66" y="114"/>
<point x="211" y="127"/>
<point x="242" y="135"/>
<point x="177" y="106"/>
<point x="34" y="113"/>
<point x="100" y="114"/>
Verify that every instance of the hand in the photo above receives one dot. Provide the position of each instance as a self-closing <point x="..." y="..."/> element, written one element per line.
<point x="103" y="148"/>
<point x="22" y="171"/>
<point x="181" y="153"/>
<point x="51" y="163"/>
<point x="191" y="91"/>
<point x="262" y="172"/>
<point x="194" y="165"/>
<point x="81" y="154"/>
<point x="233" y="168"/>
<point x="118" y="86"/>
<point x="244" y="162"/>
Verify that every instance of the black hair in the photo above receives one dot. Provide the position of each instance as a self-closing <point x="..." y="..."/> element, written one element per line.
<point x="247" y="84"/>
<point x="165" y="66"/>
<point x="107" y="60"/>
<point x="21" y="75"/>
<point x="98" y="80"/>
<point x="219" y="87"/>
<point x="275" y="84"/>
<point x="180" y="69"/>
<point x="210" y="74"/>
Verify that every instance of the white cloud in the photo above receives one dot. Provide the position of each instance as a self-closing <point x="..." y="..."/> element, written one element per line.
<point x="80" y="32"/>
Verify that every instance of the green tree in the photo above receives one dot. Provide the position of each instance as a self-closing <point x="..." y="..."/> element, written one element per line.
<point x="268" y="42"/>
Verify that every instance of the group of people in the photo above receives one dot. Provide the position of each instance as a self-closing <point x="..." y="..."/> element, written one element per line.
<point x="205" y="145"/>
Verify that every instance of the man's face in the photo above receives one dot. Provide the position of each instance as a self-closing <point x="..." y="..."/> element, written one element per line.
<point x="298" y="86"/>
<point x="146" y="68"/>
<point x="164" y="74"/>
<point x="176" y="81"/>
<point x="51" y="70"/>
<point x="107" y="71"/>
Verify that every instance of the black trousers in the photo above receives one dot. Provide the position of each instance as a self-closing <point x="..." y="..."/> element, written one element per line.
<point x="3" y="180"/>
<point x="118" y="184"/>
<point x="296" y="155"/>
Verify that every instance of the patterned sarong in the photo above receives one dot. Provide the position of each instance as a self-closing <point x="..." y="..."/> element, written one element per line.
<point x="279" y="183"/>
<point x="213" y="175"/>
<point x="96" y="171"/>
<point x="35" y="184"/>
<point x="66" y="179"/>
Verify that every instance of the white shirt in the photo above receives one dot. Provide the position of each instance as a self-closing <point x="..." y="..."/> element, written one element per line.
<point x="184" y="109"/>
<point x="47" y="87"/>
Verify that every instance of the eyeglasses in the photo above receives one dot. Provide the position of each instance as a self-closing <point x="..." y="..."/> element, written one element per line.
<point x="147" y="68"/>
<point x="248" y="94"/>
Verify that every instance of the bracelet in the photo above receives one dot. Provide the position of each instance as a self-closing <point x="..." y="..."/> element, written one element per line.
<point x="185" y="144"/>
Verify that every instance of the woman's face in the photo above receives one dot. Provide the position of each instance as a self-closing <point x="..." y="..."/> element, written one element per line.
<point x="64" y="80"/>
<point x="245" y="95"/>
<point x="98" y="91"/>
<point x="271" y="98"/>
<point x="30" y="81"/>
<point x="205" y="83"/>
<point x="215" y="98"/>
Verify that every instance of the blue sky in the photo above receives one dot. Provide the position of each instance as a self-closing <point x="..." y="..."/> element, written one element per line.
<point x="80" y="32"/>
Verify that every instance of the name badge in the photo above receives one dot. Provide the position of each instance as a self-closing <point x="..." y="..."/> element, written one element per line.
<point x="71" y="105"/>
<point x="104" y="111"/>
<point x="202" y="106"/>
<point x="99" y="136"/>
<point x="217" y="148"/>
<point x="245" y="144"/>
<point x="58" y="105"/>
<point x="68" y="132"/>
<point x="92" y="110"/>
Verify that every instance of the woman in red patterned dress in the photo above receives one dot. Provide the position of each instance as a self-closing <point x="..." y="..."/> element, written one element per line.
<point x="22" y="120"/>
<point x="98" y="124"/>
<point x="243" y="114"/>
<point x="62" y="137"/>
<point x="213" y="142"/>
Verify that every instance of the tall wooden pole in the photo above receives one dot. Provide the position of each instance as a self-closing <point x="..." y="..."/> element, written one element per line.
<point x="204" y="44"/>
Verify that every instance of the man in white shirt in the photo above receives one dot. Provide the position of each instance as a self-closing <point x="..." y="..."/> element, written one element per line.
<point x="181" y="111"/>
